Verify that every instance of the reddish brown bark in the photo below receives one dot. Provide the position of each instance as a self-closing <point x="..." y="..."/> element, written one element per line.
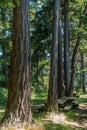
<point x="18" y="105"/>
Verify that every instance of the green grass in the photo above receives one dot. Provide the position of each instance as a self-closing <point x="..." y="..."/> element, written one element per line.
<point x="75" y="114"/>
<point x="39" y="97"/>
<point x="52" y="126"/>
<point x="82" y="99"/>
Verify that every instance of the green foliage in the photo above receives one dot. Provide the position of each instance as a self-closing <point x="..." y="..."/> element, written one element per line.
<point x="17" y="2"/>
<point x="3" y="97"/>
<point x="41" y="26"/>
<point x="6" y="4"/>
<point x="5" y="42"/>
<point x="2" y="77"/>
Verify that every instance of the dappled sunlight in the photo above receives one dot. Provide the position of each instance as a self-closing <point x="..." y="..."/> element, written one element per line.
<point x="2" y="111"/>
<point x="61" y="119"/>
<point x="83" y="96"/>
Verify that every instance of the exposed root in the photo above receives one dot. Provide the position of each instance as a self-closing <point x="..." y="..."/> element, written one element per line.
<point x="12" y="120"/>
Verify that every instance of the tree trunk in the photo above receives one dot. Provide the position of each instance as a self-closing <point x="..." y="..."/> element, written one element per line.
<point x="18" y="106"/>
<point x="37" y="73"/>
<point x="83" y="73"/>
<point x="52" y="92"/>
<point x="60" y="63"/>
<point x="73" y="63"/>
<point x="42" y="78"/>
<point x="66" y="47"/>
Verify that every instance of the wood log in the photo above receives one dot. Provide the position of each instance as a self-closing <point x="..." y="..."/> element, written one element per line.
<point x="65" y="101"/>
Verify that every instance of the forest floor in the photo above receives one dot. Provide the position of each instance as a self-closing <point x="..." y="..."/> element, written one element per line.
<point x="74" y="119"/>
<point x="79" y="114"/>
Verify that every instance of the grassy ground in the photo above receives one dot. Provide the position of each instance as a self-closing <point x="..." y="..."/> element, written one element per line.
<point x="40" y="117"/>
<point x="75" y="114"/>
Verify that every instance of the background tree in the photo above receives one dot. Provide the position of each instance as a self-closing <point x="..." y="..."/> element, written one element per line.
<point x="52" y="92"/>
<point x="66" y="47"/>
<point x="79" y="23"/>
<point x="83" y="73"/>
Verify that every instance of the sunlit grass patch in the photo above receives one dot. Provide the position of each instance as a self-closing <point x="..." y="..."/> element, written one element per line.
<point x="73" y="115"/>
<point x="82" y="99"/>
<point x="60" y="121"/>
<point x="1" y="114"/>
<point x="51" y="126"/>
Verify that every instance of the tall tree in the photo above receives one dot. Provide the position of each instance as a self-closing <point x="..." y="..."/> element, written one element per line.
<point x="66" y="47"/>
<point x="75" y="53"/>
<point x="83" y="73"/>
<point x="73" y="63"/>
<point x="52" y="92"/>
<point x="60" y="61"/>
<point x="18" y="104"/>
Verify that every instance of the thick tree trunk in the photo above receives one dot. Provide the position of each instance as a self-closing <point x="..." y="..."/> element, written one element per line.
<point x="83" y="73"/>
<point x="18" y="105"/>
<point x="60" y="63"/>
<point x="66" y="47"/>
<point x="52" y="92"/>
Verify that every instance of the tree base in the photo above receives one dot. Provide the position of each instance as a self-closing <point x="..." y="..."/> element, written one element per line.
<point x="11" y="120"/>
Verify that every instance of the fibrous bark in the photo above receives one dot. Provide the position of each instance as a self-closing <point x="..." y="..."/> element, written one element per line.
<point x="60" y="62"/>
<point x="18" y="105"/>
<point x="52" y="92"/>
